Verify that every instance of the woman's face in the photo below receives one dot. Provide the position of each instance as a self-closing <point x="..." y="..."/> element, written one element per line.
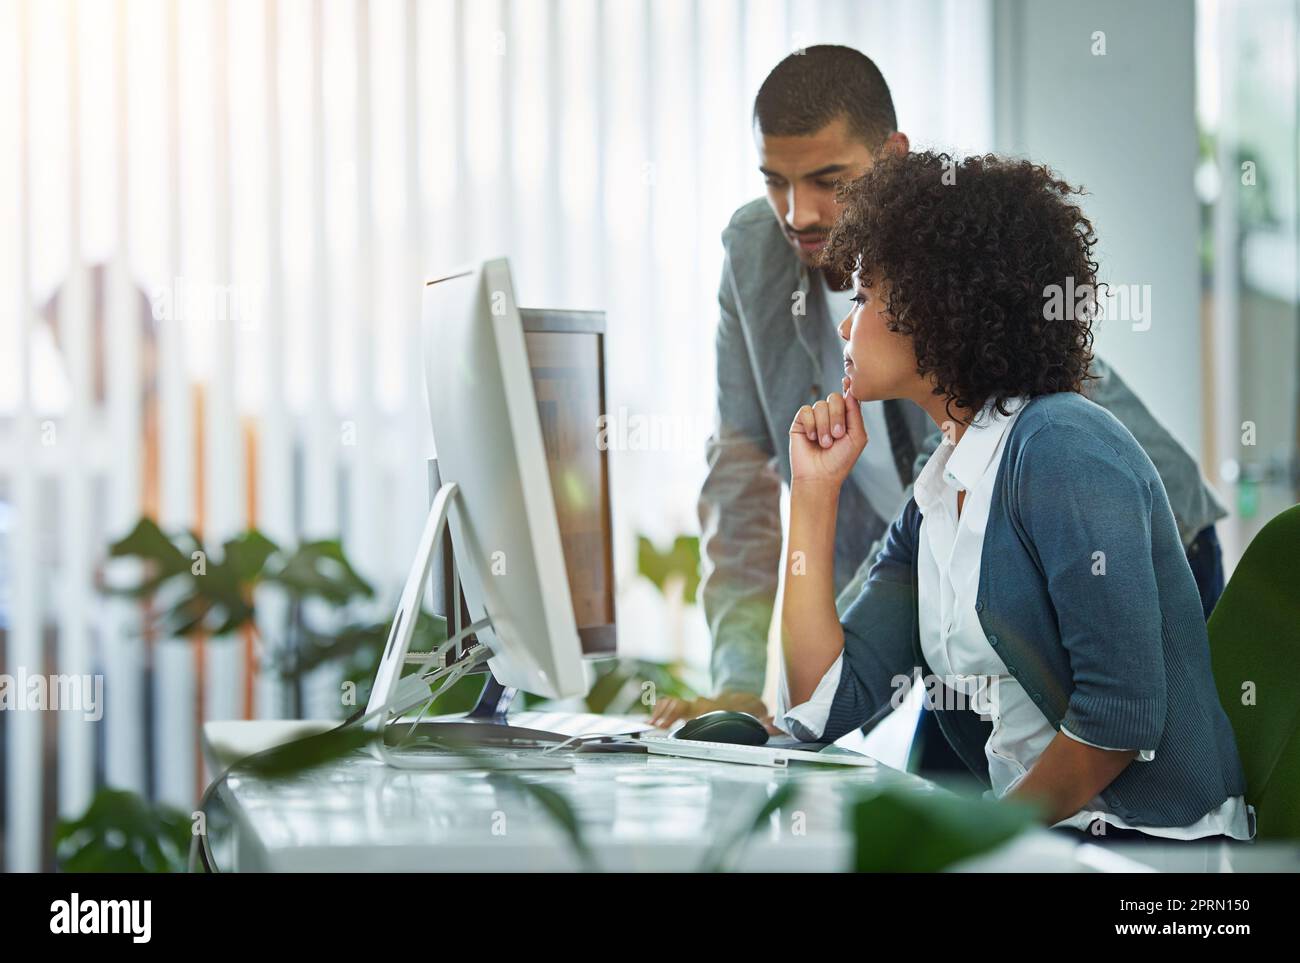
<point x="878" y="362"/>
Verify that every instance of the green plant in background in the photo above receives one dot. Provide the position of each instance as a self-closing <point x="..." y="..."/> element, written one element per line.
<point x="197" y="591"/>
<point x="212" y="593"/>
<point x="631" y="686"/>
<point x="676" y="573"/>
<point x="677" y="568"/>
<point x="1255" y="202"/>
<point x="627" y="686"/>
<point x="121" y="833"/>
<point x="358" y="648"/>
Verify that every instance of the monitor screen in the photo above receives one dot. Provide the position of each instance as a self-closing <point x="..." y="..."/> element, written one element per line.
<point x="566" y="357"/>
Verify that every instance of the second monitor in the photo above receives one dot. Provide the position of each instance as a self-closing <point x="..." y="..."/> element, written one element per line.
<point x="566" y="356"/>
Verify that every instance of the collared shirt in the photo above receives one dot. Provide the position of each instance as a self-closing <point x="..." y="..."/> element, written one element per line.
<point x="953" y="640"/>
<point x="875" y="472"/>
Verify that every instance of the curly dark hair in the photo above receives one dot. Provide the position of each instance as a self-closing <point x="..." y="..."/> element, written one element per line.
<point x="970" y="250"/>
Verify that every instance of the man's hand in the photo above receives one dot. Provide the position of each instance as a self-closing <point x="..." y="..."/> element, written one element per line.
<point x="670" y="710"/>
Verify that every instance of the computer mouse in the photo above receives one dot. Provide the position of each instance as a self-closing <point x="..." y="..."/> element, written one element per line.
<point x="734" y="728"/>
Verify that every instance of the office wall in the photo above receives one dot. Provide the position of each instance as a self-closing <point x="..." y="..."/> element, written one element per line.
<point x="1122" y="123"/>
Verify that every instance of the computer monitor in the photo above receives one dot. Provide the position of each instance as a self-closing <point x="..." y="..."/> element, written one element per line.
<point x="515" y="408"/>
<point x="566" y="356"/>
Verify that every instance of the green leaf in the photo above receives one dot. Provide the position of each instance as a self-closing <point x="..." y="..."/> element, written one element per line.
<point x="319" y="648"/>
<point x="236" y="618"/>
<point x="905" y="831"/>
<point x="187" y="616"/>
<point x="682" y="560"/>
<point x="145" y="589"/>
<point x="558" y="807"/>
<point x="214" y="602"/>
<point x="321" y="570"/>
<point x="308" y="752"/>
<point x="148" y="542"/>
<point x="208" y="607"/>
<point x="723" y="856"/>
<point x="246" y="556"/>
<point x="122" y="833"/>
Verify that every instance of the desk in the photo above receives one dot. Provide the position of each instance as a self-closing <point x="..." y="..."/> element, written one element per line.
<point x="640" y="813"/>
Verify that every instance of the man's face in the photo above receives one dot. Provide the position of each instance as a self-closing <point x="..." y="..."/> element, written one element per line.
<point x="802" y="174"/>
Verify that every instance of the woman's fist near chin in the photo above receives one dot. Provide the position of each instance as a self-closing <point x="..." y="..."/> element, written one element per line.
<point x="826" y="438"/>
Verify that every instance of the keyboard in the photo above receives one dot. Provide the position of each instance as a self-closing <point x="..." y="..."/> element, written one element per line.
<point x="661" y="744"/>
<point x="430" y="758"/>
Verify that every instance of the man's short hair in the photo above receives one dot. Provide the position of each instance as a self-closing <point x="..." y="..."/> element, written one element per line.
<point x="812" y="87"/>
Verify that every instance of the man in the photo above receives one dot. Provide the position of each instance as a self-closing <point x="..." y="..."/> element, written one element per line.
<point x="820" y="118"/>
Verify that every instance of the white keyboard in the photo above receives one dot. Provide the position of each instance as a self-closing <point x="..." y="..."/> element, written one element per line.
<point x="486" y="758"/>
<point x="662" y="744"/>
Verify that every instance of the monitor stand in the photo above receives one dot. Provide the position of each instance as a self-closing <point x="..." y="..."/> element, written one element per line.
<point x="487" y="724"/>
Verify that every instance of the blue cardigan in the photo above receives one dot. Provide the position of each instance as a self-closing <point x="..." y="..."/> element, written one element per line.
<point x="1121" y="658"/>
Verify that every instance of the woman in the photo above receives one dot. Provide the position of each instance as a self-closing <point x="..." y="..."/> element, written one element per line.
<point x="1037" y="570"/>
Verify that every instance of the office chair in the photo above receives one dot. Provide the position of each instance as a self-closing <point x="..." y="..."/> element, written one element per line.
<point x="1255" y="638"/>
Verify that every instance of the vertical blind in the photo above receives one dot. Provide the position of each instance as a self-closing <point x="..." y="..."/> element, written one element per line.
<point x="215" y="220"/>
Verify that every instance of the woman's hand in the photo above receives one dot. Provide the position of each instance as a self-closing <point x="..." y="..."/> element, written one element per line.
<point x="825" y="440"/>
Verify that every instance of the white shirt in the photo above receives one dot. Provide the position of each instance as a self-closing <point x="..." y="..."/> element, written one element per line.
<point x="875" y="472"/>
<point x="949" y="551"/>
